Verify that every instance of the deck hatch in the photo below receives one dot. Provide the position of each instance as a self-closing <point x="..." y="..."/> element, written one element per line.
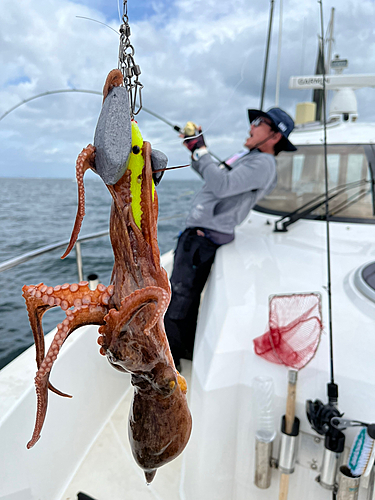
<point x="364" y="280"/>
<point x="368" y="274"/>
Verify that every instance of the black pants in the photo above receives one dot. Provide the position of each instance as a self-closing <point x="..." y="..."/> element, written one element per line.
<point x="193" y="259"/>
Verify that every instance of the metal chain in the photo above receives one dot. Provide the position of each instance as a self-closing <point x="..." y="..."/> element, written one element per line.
<point x="127" y="66"/>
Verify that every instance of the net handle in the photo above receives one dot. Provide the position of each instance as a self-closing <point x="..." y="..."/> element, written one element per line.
<point x="291" y="400"/>
<point x="289" y="421"/>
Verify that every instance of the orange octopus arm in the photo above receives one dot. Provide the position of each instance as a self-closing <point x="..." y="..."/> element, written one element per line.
<point x="78" y="317"/>
<point x="85" y="161"/>
<point x="114" y="79"/>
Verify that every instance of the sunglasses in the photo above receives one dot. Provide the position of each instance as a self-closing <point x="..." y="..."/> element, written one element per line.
<point x="258" y="121"/>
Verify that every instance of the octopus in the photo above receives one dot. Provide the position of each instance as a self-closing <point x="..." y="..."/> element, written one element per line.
<point x="129" y="312"/>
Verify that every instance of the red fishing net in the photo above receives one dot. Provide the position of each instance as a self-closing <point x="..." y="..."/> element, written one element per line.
<point x="295" y="325"/>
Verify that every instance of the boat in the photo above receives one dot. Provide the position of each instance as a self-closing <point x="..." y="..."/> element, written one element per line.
<point x="279" y="249"/>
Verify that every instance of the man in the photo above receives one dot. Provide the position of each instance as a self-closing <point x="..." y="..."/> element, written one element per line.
<point x="229" y="193"/>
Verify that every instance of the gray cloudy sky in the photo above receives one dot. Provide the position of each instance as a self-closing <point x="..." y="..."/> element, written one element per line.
<point x="201" y="60"/>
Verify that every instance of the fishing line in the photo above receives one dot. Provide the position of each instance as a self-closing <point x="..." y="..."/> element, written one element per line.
<point x="176" y="127"/>
<point x="242" y="77"/>
<point x="225" y="103"/>
<point x="95" y="21"/>
<point x="170" y="168"/>
<point x="118" y="10"/>
<point x="328" y="240"/>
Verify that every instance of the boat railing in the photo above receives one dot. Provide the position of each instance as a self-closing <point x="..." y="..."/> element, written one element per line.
<point x="4" y="266"/>
<point x="8" y="264"/>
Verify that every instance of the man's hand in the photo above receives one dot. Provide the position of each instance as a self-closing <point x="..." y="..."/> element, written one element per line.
<point x="195" y="142"/>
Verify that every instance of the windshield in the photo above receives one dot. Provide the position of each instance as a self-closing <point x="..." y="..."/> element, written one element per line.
<point x="301" y="180"/>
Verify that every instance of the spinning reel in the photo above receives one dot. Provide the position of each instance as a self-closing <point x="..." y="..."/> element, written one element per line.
<point x="321" y="417"/>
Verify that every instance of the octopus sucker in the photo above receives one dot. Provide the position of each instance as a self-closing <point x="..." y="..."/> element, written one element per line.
<point x="129" y="312"/>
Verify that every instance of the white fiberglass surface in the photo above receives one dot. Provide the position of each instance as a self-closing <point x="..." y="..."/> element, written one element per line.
<point x="109" y="471"/>
<point x="342" y="132"/>
<point x="71" y="425"/>
<point x="219" y="462"/>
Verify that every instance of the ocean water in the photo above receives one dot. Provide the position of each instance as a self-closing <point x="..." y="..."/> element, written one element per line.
<point x="39" y="212"/>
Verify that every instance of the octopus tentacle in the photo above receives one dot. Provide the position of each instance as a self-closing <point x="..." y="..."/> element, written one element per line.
<point x="122" y="216"/>
<point x="150" y="211"/>
<point x="36" y="307"/>
<point x="67" y="295"/>
<point x="149" y="214"/>
<point x="130" y="306"/>
<point x="85" y="161"/>
<point x="42" y="403"/>
<point x="41" y="298"/>
<point x="79" y="316"/>
<point x="114" y="79"/>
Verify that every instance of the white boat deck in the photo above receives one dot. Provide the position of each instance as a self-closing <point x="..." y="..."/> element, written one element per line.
<point x="109" y="472"/>
<point x="84" y="445"/>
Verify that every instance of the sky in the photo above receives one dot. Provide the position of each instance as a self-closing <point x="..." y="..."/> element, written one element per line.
<point x="201" y="60"/>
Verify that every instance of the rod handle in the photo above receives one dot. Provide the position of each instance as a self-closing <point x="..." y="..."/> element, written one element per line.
<point x="284" y="487"/>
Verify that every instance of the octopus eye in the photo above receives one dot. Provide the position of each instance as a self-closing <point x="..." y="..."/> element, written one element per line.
<point x="136" y="150"/>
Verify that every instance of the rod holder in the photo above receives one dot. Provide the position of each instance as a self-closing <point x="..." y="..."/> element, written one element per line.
<point x="348" y="485"/>
<point x="93" y="280"/>
<point x="330" y="462"/>
<point x="288" y="447"/>
<point x="371" y="484"/>
<point x="263" y="471"/>
<point x="333" y="449"/>
<point x="79" y="260"/>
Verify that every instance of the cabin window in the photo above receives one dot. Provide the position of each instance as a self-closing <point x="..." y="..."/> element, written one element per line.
<point x="301" y="180"/>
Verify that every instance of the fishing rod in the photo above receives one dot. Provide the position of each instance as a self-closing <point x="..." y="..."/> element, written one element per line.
<point x="332" y="388"/>
<point x="181" y="131"/>
<point x="86" y="91"/>
<point x="320" y="415"/>
<point x="328" y="238"/>
<point x="177" y="128"/>
<point x="266" y="56"/>
<point x="48" y="92"/>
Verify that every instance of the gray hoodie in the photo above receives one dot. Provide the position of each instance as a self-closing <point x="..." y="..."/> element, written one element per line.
<point x="228" y="196"/>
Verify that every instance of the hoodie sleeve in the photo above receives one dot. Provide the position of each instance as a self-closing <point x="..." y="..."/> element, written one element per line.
<point x="254" y="172"/>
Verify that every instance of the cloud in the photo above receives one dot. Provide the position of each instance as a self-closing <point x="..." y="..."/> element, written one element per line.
<point x="200" y="61"/>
